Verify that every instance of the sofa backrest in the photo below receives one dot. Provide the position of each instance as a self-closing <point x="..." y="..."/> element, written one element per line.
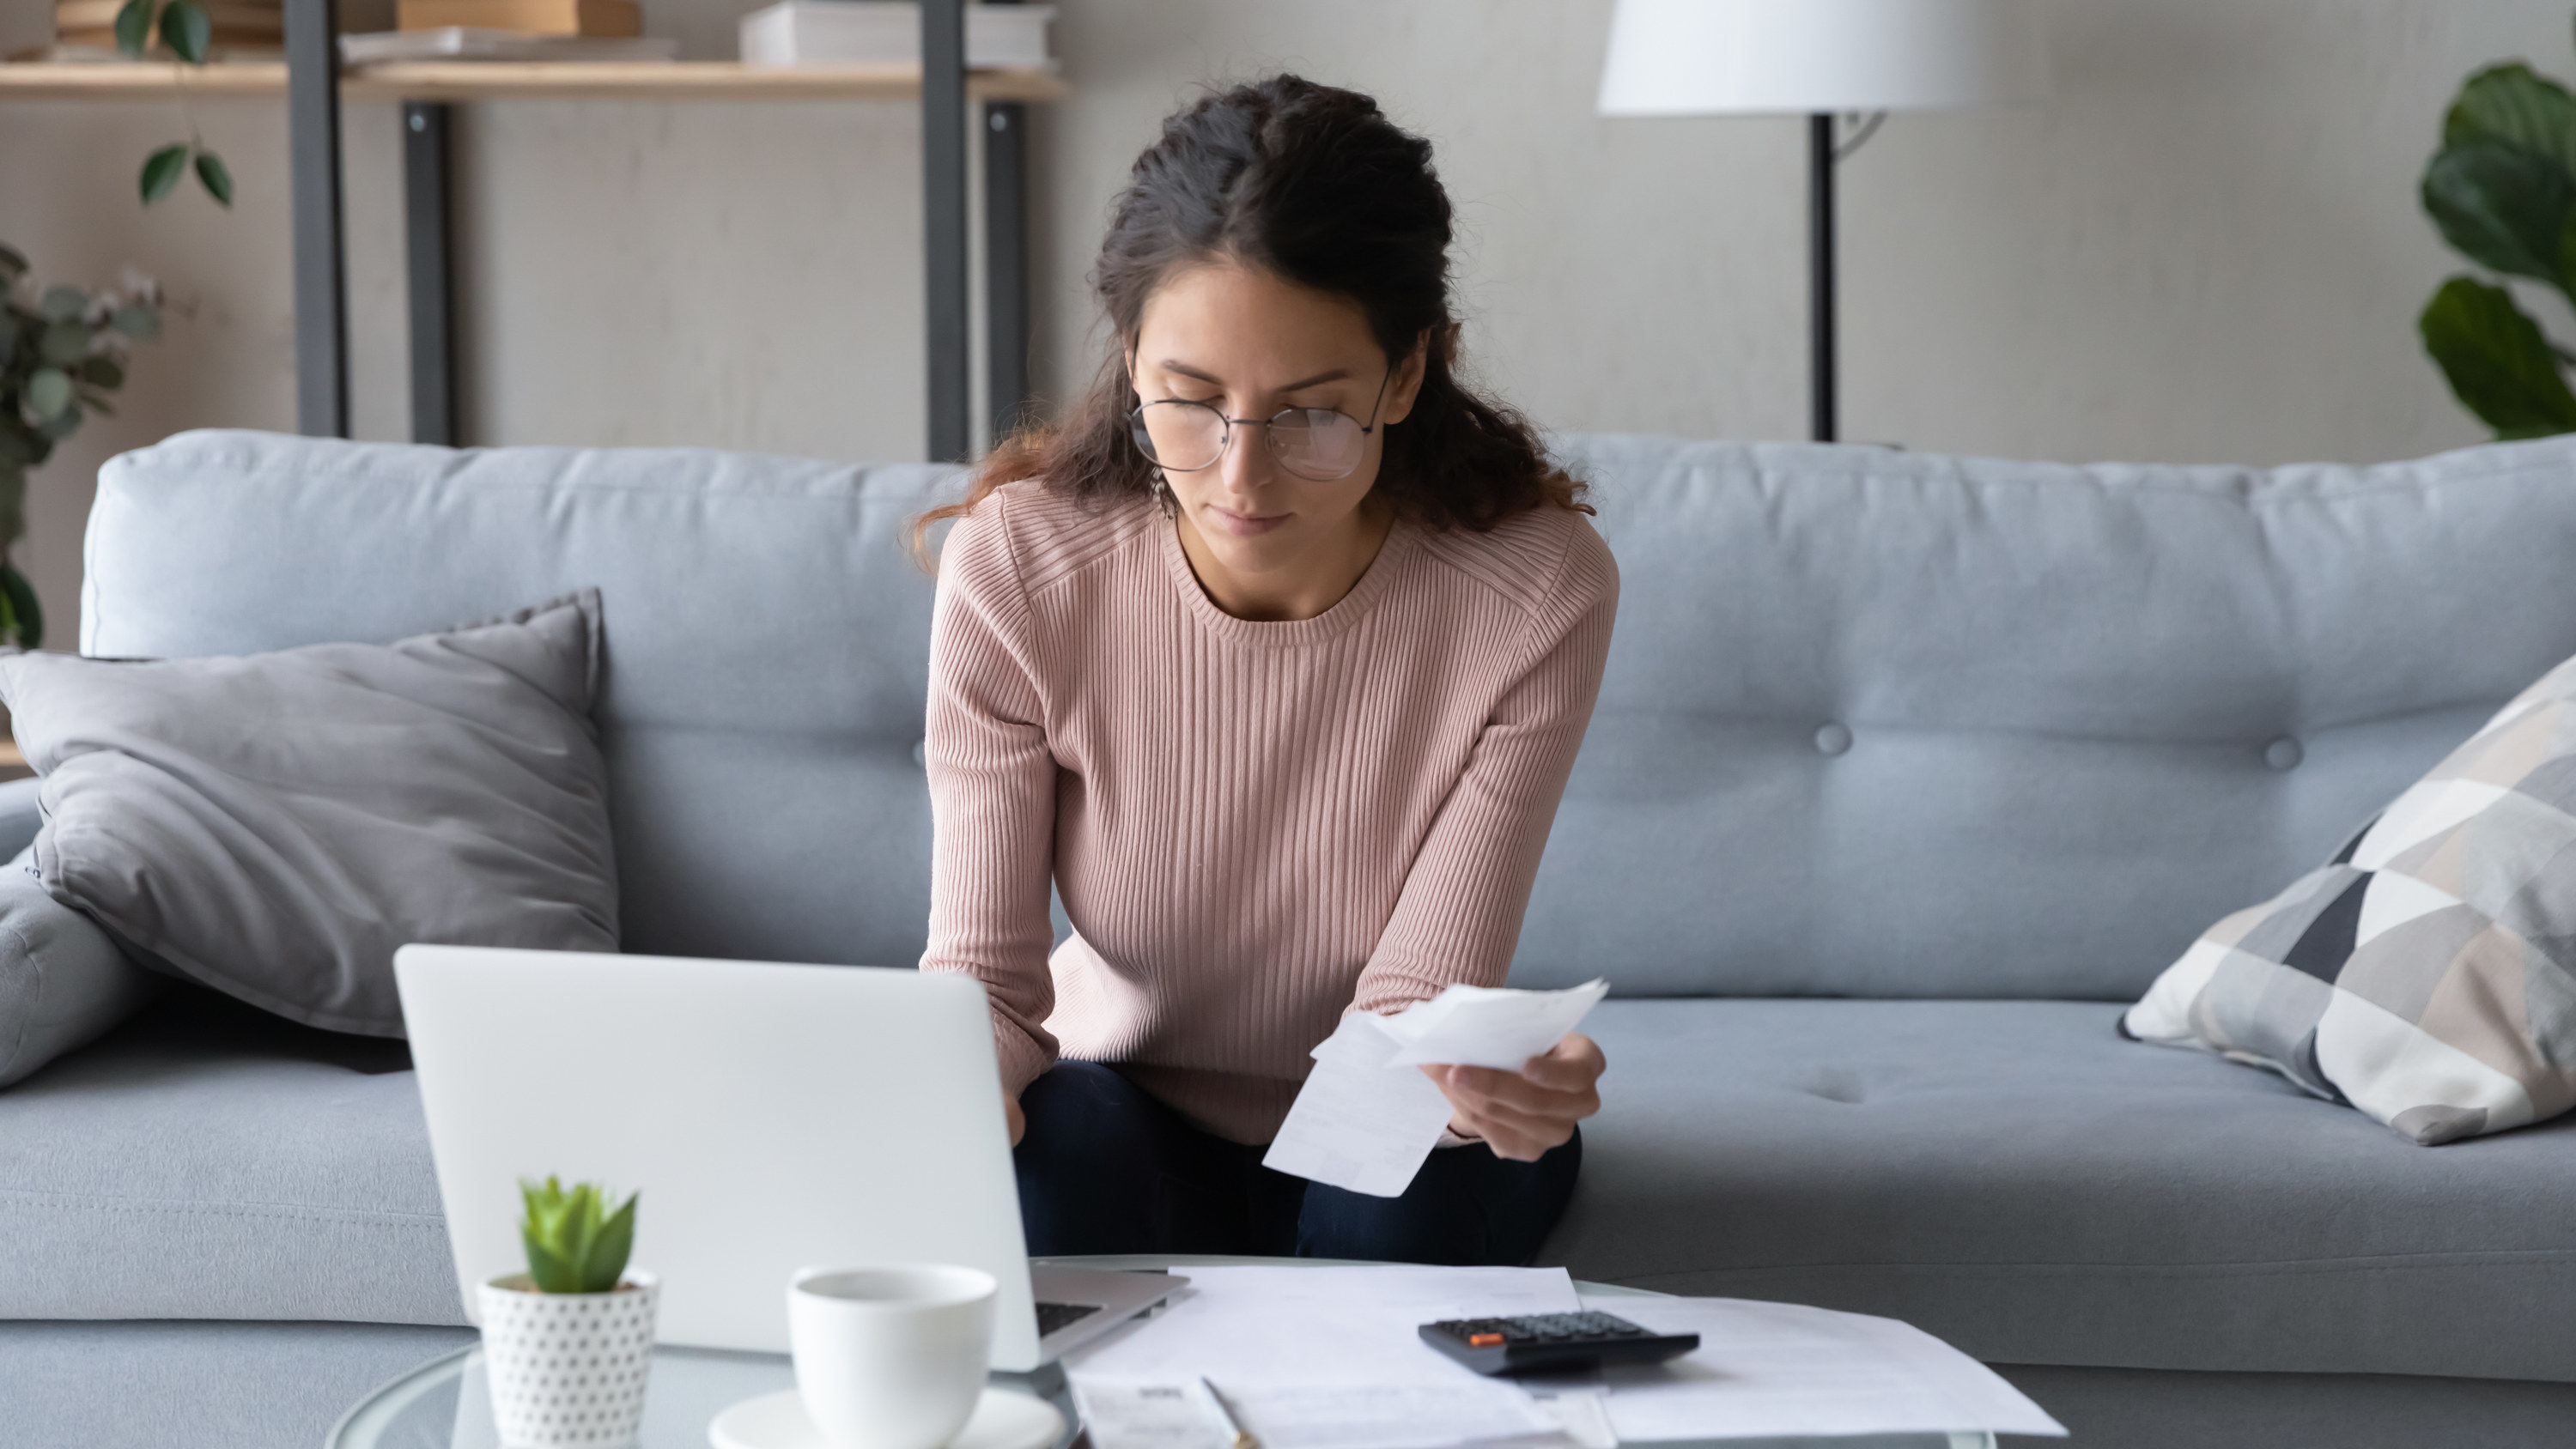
<point x="1890" y="724"/>
<point x="1876" y="724"/>
<point x="767" y="642"/>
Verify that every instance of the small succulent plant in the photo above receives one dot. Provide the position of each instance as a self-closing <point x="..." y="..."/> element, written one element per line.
<point x="575" y="1243"/>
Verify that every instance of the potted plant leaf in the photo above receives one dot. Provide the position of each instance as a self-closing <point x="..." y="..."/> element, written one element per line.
<point x="568" y="1344"/>
<point x="2502" y="191"/>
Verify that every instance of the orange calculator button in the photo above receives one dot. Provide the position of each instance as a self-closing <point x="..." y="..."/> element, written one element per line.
<point x="1483" y="1340"/>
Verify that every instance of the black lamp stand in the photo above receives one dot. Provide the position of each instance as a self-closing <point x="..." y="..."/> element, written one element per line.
<point x="1821" y="156"/>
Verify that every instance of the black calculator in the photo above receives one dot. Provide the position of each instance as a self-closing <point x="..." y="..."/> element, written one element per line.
<point x="1544" y="1343"/>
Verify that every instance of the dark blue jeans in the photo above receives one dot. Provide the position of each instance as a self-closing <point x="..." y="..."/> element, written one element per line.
<point x="1105" y="1168"/>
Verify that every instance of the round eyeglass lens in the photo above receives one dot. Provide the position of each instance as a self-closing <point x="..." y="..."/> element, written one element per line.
<point x="1316" y="443"/>
<point x="1186" y="436"/>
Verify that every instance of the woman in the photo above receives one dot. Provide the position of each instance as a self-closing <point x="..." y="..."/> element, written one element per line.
<point x="1273" y="656"/>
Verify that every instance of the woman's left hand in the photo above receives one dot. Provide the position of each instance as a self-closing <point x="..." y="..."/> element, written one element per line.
<point x="1522" y="1114"/>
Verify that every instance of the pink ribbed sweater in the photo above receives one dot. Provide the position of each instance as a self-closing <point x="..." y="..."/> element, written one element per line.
<point x="1255" y="827"/>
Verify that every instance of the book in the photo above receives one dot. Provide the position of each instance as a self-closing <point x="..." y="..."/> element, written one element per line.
<point x="888" y="32"/>
<point x="457" y="42"/>
<point x="610" y="19"/>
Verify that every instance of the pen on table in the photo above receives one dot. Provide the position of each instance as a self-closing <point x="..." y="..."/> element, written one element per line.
<point x="1242" y="1437"/>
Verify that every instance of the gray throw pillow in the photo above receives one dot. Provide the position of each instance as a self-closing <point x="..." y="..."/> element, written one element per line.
<point x="62" y="981"/>
<point x="2426" y="974"/>
<point x="275" y="825"/>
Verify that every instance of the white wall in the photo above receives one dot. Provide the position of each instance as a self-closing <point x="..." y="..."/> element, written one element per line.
<point x="2207" y="248"/>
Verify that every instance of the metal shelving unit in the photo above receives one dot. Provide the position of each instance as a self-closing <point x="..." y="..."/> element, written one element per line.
<point x="466" y="80"/>
<point x="314" y="85"/>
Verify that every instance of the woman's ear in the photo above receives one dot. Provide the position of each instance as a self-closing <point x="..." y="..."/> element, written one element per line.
<point x="1406" y="385"/>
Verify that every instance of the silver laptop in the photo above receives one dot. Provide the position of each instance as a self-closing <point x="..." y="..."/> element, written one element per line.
<point x="774" y="1117"/>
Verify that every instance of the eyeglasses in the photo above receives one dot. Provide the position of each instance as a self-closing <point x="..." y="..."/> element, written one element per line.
<point x="1317" y="444"/>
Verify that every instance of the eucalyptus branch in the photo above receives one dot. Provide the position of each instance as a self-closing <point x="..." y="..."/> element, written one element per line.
<point x="62" y="351"/>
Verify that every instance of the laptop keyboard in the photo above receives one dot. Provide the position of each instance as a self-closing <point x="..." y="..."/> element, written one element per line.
<point x="1052" y="1316"/>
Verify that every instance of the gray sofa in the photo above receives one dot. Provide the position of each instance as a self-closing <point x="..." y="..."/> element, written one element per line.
<point x="1907" y="772"/>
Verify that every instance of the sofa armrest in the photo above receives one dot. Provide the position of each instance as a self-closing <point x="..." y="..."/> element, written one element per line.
<point x="19" y="818"/>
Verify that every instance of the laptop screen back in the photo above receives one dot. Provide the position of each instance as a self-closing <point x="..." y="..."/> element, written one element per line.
<point x="774" y="1117"/>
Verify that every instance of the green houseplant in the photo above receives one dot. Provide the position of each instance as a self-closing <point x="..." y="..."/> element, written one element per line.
<point x="2502" y="191"/>
<point x="187" y="33"/>
<point x="62" y="351"/>
<point x="568" y="1345"/>
<point x="575" y="1243"/>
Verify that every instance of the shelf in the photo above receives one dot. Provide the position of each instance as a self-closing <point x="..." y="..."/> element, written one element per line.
<point x="529" y="80"/>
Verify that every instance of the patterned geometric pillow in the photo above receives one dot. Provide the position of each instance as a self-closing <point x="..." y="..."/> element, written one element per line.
<point x="2428" y="974"/>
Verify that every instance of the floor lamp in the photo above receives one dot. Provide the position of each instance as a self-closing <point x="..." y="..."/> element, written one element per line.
<point x="1822" y="59"/>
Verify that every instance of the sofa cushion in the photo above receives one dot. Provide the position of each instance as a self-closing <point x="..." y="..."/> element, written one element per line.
<point x="62" y="981"/>
<point x="22" y="814"/>
<point x="2008" y="1175"/>
<point x="2016" y="1178"/>
<point x="2047" y="722"/>
<point x="2428" y="974"/>
<point x="769" y="642"/>
<point x="276" y="825"/>
<point x="165" y="1385"/>
<point x="206" y="1160"/>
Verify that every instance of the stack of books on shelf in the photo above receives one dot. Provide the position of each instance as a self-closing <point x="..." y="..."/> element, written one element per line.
<point x="86" y="29"/>
<point x="558" y="30"/>
<point x="888" y="32"/>
<point x="589" y="19"/>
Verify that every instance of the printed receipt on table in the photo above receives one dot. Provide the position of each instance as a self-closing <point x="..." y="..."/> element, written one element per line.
<point x="1367" y="1116"/>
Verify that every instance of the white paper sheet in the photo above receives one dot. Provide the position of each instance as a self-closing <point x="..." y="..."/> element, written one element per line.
<point x="1359" y="1123"/>
<point x="1480" y="1026"/>
<point x="1778" y="1369"/>
<point x="1327" y="1358"/>
<point x="1367" y="1116"/>
<point x="1322" y="1360"/>
<point x="1149" y="1416"/>
<point x="1249" y="1326"/>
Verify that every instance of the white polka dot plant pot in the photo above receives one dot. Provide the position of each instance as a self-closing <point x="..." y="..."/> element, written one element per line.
<point x="568" y="1369"/>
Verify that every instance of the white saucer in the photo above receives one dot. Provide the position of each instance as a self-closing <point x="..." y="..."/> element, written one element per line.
<point x="1002" y="1420"/>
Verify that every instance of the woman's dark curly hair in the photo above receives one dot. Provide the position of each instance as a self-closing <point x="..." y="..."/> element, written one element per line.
<point x="1316" y="186"/>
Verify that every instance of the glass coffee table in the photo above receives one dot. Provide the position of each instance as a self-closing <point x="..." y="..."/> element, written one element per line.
<point x="444" y="1403"/>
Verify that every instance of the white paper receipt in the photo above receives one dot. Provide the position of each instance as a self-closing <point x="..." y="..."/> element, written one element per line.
<point x="1367" y="1116"/>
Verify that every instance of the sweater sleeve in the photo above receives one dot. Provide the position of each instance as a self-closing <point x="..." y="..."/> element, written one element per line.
<point x="992" y="794"/>
<point x="1458" y="916"/>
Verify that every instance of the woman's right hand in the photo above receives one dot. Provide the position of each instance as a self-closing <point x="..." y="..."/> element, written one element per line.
<point x="1011" y="1114"/>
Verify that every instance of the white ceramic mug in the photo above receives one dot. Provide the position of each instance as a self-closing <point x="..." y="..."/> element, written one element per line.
<point x="890" y="1358"/>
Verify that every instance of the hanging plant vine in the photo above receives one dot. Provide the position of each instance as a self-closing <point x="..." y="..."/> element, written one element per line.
<point x="188" y="33"/>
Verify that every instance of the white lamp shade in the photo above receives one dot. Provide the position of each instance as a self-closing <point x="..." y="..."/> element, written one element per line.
<point x="1719" y="57"/>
